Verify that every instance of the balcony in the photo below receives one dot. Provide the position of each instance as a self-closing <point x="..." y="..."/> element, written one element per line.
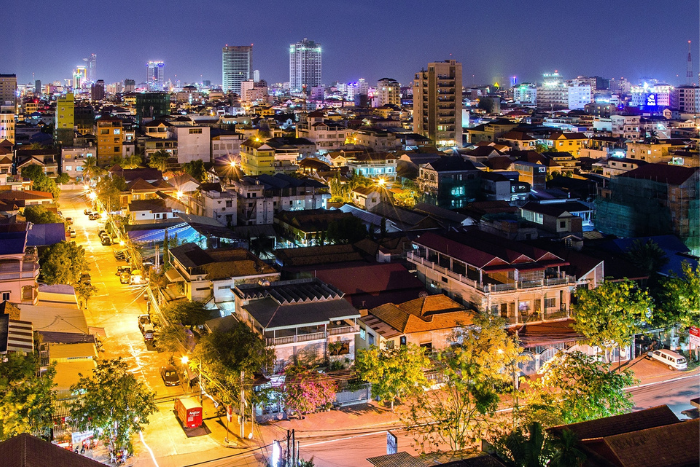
<point x="11" y="271"/>
<point x="313" y="336"/>
<point x="343" y="330"/>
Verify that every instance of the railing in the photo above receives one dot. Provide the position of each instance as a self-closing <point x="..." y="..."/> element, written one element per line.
<point x="343" y="330"/>
<point x="295" y="338"/>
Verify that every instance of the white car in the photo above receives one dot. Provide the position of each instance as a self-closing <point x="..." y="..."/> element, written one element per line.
<point x="672" y="359"/>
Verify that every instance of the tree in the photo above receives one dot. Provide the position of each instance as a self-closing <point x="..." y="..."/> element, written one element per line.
<point x="112" y="403"/>
<point x="520" y="449"/>
<point x="40" y="181"/>
<point x="473" y="374"/>
<point x="159" y="160"/>
<point x="62" y="179"/>
<point x="609" y="315"/>
<point x="575" y="388"/>
<point x="62" y="263"/>
<point x="565" y="451"/>
<point x="346" y="230"/>
<point x="187" y="313"/>
<point x="109" y="190"/>
<point x="647" y="256"/>
<point x="27" y="398"/>
<point x="306" y="390"/>
<point x="393" y="373"/>
<point x="195" y="169"/>
<point x="222" y="363"/>
<point x="85" y="291"/>
<point x="38" y="214"/>
<point x="90" y="169"/>
<point x="678" y="302"/>
<point x="171" y="338"/>
<point x="33" y="171"/>
<point x="131" y="162"/>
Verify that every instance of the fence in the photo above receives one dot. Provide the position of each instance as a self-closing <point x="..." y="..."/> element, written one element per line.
<point x="359" y="396"/>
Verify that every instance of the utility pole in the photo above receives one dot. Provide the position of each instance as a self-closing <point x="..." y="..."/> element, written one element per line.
<point x="242" y="406"/>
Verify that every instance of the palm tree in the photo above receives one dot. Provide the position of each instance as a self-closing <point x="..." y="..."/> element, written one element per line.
<point x="566" y="451"/>
<point x="530" y="451"/>
<point x="647" y="256"/>
<point x="89" y="168"/>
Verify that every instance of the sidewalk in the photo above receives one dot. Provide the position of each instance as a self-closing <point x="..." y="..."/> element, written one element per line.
<point x="650" y="371"/>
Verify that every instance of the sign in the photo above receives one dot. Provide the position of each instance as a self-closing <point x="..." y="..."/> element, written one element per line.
<point x="229" y="413"/>
<point x="694" y="335"/>
<point x="391" y="443"/>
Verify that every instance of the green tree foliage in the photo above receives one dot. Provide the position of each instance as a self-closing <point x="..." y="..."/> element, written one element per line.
<point x="473" y="372"/>
<point x="85" y="292"/>
<point x="171" y="338"/>
<point x="525" y="448"/>
<point x="159" y="160"/>
<point x="341" y="189"/>
<point x="222" y="361"/>
<point x="112" y="403"/>
<point x="26" y="400"/>
<point x="109" y="191"/>
<point x="90" y="168"/>
<point x="32" y="172"/>
<point x="62" y="179"/>
<point x="575" y="388"/>
<point x="130" y="162"/>
<point x="678" y="299"/>
<point x="346" y="230"/>
<point x="38" y="214"/>
<point x="611" y="313"/>
<point x="306" y="390"/>
<point x="566" y="452"/>
<point x="62" y="263"/>
<point x="394" y="373"/>
<point x="41" y="181"/>
<point x="647" y="256"/>
<point x="196" y="170"/>
<point x="187" y="313"/>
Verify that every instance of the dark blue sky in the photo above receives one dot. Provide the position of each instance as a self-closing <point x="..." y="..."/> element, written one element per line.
<point x="360" y="38"/>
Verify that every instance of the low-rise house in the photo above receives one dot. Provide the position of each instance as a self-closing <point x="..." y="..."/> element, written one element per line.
<point x="150" y="210"/>
<point x="211" y="200"/>
<point x="615" y="166"/>
<point x="303" y="320"/>
<point x="373" y="164"/>
<point x="307" y="228"/>
<point x="376" y="140"/>
<point x="47" y="159"/>
<point x="560" y="218"/>
<point x="19" y="266"/>
<point x="431" y="322"/>
<point x="72" y="159"/>
<point x="366" y="197"/>
<point x="326" y="135"/>
<point x="450" y="182"/>
<point x="568" y="142"/>
<point x="204" y="275"/>
<point x="516" y="281"/>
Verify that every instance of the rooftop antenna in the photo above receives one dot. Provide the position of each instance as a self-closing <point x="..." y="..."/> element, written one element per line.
<point x="689" y="73"/>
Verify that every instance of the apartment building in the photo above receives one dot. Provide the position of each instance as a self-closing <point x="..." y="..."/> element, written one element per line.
<point x="193" y="142"/>
<point x="72" y="160"/>
<point x="326" y="135"/>
<point x="625" y="126"/>
<point x="520" y="283"/>
<point x="19" y="265"/>
<point x="437" y="103"/>
<point x="109" y="140"/>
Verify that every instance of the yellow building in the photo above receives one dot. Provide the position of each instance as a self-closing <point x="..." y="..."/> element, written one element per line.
<point x="7" y="125"/>
<point x="566" y="142"/>
<point x="257" y="158"/>
<point x="109" y="139"/>
<point x="65" y="120"/>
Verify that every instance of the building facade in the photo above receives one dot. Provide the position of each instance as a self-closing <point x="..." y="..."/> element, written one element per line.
<point x="437" y="103"/>
<point x="109" y="139"/>
<point x="236" y="67"/>
<point x="388" y="93"/>
<point x="304" y="65"/>
<point x="8" y="89"/>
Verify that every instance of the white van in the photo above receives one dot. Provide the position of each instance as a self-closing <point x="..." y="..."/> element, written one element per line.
<point x="672" y="359"/>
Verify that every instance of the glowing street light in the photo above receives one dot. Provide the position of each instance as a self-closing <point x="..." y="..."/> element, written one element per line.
<point x="233" y="164"/>
<point x="179" y="194"/>
<point x="185" y="359"/>
<point x="381" y="182"/>
<point x="93" y="195"/>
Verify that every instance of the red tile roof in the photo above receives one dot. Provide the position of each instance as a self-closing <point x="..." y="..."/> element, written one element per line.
<point x="27" y="451"/>
<point x="664" y="173"/>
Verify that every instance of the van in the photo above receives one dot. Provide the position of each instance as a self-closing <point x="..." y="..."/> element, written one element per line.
<point x="189" y="411"/>
<point x="672" y="359"/>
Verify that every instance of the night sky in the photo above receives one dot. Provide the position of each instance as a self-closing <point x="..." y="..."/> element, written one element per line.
<point x="360" y="38"/>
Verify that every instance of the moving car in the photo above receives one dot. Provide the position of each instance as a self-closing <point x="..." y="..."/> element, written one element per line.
<point x="93" y="216"/>
<point x="169" y="375"/>
<point x="674" y="360"/>
<point x="71" y="233"/>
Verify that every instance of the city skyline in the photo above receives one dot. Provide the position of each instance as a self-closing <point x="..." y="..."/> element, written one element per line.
<point x="493" y="43"/>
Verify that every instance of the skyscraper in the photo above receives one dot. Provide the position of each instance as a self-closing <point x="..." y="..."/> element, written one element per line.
<point x="236" y="66"/>
<point x="388" y="92"/>
<point x="437" y="103"/>
<point x="91" y="68"/>
<point x="155" y="75"/>
<point x="79" y="77"/>
<point x="97" y="91"/>
<point x="304" y="65"/>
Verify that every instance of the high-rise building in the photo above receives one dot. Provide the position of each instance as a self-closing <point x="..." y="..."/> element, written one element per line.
<point x="91" y="67"/>
<point x="686" y="99"/>
<point x="65" y="120"/>
<point x="37" y="87"/>
<point x="155" y="75"/>
<point x="437" y="103"/>
<point x="129" y="85"/>
<point x="110" y="138"/>
<point x="304" y="65"/>
<point x="236" y="66"/>
<point x="388" y="92"/>
<point x="151" y="105"/>
<point x="7" y="123"/>
<point x="97" y="90"/>
<point x="553" y="93"/>
<point x="79" y="77"/>
<point x="8" y="89"/>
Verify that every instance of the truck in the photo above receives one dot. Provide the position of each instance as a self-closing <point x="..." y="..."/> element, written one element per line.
<point x="189" y="412"/>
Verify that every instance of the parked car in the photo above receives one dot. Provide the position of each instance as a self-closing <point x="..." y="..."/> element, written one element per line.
<point x="144" y="320"/>
<point x="106" y="241"/>
<point x="120" y="254"/>
<point x="123" y="269"/>
<point x="85" y="278"/>
<point x="125" y="278"/>
<point x="169" y="375"/>
<point x="93" y="216"/>
<point x="101" y="233"/>
<point x="149" y="334"/>
<point x="71" y="233"/>
<point x="87" y="212"/>
<point x="69" y="220"/>
<point x="674" y="360"/>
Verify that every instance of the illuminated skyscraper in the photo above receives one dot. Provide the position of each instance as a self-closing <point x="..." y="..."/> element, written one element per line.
<point x="79" y="77"/>
<point x="91" y="67"/>
<point x="155" y="75"/>
<point x="437" y="103"/>
<point x="8" y="89"/>
<point x="236" y="66"/>
<point x="304" y="65"/>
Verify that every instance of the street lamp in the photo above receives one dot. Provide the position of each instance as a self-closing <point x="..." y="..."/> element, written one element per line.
<point x="381" y="182"/>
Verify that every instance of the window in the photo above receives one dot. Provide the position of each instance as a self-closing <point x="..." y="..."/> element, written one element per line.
<point x="550" y="302"/>
<point x="390" y="344"/>
<point x="562" y="224"/>
<point x="371" y="339"/>
<point x="362" y="333"/>
<point x="5" y="296"/>
<point x="117" y="131"/>
<point x="195" y="131"/>
<point x="68" y="167"/>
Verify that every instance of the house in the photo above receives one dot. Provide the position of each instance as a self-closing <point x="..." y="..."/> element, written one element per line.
<point x="615" y="166"/>
<point x="366" y="197"/>
<point x="491" y="131"/>
<point x="429" y="322"/>
<point x="449" y="182"/>
<point x="564" y="141"/>
<point x="27" y="450"/>
<point x="16" y="336"/>
<point x="516" y="281"/>
<point x="19" y="265"/>
<point x="47" y="159"/>
<point x="140" y="189"/>
<point x="326" y="135"/>
<point x="150" y="210"/>
<point x="559" y="218"/>
<point x="309" y="227"/>
<point x="405" y="219"/>
<point x="373" y="165"/>
<point x="519" y="140"/>
<point x="303" y="320"/>
<point x="204" y="275"/>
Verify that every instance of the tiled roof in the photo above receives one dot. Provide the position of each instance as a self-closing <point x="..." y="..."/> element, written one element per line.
<point x="139" y="185"/>
<point x="663" y="173"/>
<point x="556" y="209"/>
<point x="25" y="450"/>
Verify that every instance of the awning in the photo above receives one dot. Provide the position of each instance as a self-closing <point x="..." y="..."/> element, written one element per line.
<point x="173" y="275"/>
<point x="20" y="336"/>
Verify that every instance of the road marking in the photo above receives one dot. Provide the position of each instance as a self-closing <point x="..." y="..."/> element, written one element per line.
<point x="153" y="457"/>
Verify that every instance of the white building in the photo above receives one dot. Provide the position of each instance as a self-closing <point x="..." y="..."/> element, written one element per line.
<point x="388" y="92"/>
<point x="686" y="99"/>
<point x="525" y="94"/>
<point x="193" y="143"/>
<point x="579" y="96"/>
<point x="72" y="159"/>
<point x="626" y="126"/>
<point x="304" y="65"/>
<point x="236" y="67"/>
